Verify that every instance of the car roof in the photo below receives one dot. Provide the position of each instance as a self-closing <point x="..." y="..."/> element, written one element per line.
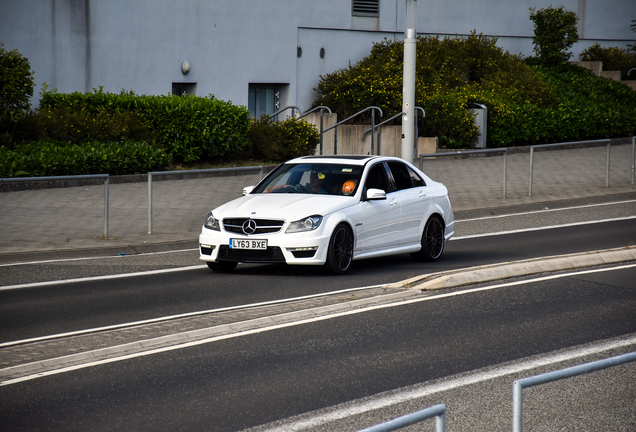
<point x="339" y="159"/>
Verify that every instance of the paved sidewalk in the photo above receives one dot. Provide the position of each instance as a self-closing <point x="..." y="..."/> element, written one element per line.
<point x="72" y="218"/>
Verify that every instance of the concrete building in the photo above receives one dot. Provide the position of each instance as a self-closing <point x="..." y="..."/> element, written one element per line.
<point x="266" y="54"/>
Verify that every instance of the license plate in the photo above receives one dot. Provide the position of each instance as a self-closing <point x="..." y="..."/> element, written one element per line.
<point x="248" y="244"/>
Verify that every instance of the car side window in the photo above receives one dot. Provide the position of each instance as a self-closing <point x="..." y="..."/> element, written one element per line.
<point x="416" y="179"/>
<point x="377" y="178"/>
<point x="401" y="175"/>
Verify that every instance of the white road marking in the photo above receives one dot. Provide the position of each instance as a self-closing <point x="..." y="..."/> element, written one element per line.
<point x="297" y="323"/>
<point x="427" y="390"/>
<point x="546" y="210"/>
<point x="95" y="258"/>
<point x="179" y="316"/>
<point x="573" y="224"/>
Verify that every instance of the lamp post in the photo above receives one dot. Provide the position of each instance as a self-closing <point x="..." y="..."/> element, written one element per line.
<point x="408" y="84"/>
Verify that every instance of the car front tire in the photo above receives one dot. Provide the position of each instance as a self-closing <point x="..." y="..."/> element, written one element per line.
<point x="340" y="251"/>
<point x="432" y="241"/>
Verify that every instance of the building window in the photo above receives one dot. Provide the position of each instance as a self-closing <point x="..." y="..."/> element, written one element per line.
<point x="184" y="89"/>
<point x="266" y="98"/>
<point x="365" y="8"/>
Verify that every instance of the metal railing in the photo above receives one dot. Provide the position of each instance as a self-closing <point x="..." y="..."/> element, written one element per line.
<point x="541" y="146"/>
<point x="74" y="177"/>
<point x="213" y="170"/>
<point x="379" y="133"/>
<point x="438" y="411"/>
<point x="321" y="108"/>
<point x="469" y="152"/>
<point x="373" y="126"/>
<point x="291" y="107"/>
<point x="519" y="385"/>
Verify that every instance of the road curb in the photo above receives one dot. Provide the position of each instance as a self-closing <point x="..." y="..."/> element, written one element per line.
<point x="514" y="269"/>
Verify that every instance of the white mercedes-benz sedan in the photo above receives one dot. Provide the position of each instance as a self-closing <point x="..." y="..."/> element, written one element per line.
<point x="330" y="211"/>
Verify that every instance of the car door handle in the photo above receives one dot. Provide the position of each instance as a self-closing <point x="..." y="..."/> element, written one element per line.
<point x="422" y="193"/>
<point x="393" y="202"/>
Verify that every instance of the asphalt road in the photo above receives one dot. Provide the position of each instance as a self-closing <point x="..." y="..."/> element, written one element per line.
<point x="270" y="375"/>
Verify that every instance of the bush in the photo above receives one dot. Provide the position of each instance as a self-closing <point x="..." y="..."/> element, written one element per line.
<point x="189" y="128"/>
<point x="614" y="59"/>
<point x="554" y="34"/>
<point x="16" y="88"/>
<point x="280" y="141"/>
<point x="451" y="73"/>
<point x="58" y="158"/>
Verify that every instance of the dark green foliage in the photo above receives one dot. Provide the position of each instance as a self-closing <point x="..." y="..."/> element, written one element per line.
<point x="189" y="128"/>
<point x="451" y="73"/>
<point x="16" y="88"/>
<point x="613" y="58"/>
<point x="554" y="34"/>
<point x="57" y="158"/>
<point x="280" y="141"/>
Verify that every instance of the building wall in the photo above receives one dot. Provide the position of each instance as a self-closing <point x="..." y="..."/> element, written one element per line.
<point x="78" y="45"/>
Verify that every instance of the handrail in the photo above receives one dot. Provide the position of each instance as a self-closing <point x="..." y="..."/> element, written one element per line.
<point x="379" y="133"/>
<point x="335" y="141"/>
<point x="292" y="107"/>
<point x="380" y="124"/>
<point x="321" y="108"/>
<point x="106" y="178"/>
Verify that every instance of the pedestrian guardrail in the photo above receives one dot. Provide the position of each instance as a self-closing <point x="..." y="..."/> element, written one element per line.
<point x="74" y="177"/>
<point x="470" y="152"/>
<point x="189" y="172"/>
<point x="438" y="411"/>
<point x="532" y="151"/>
<point x="544" y="146"/>
<point x="519" y="385"/>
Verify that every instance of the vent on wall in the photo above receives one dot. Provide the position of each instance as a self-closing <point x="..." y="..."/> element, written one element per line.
<point x="365" y="8"/>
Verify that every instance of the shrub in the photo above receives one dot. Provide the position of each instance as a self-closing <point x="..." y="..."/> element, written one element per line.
<point x="16" y="88"/>
<point x="190" y="128"/>
<point x="613" y="58"/>
<point x="64" y="158"/>
<point x="554" y="34"/>
<point x="280" y="141"/>
<point x="450" y="74"/>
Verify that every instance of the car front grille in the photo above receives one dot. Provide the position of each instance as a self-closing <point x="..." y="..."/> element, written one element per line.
<point x="272" y="254"/>
<point x="263" y="226"/>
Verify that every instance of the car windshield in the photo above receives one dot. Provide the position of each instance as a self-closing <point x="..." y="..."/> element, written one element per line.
<point x="306" y="178"/>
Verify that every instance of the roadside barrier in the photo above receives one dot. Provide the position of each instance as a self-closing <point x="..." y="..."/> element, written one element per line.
<point x="504" y="150"/>
<point x="438" y="411"/>
<point x="213" y="170"/>
<point x="77" y="177"/>
<point x="519" y="385"/>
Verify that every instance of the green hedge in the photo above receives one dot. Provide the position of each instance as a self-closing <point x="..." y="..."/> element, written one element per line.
<point x="56" y="159"/>
<point x="280" y="141"/>
<point x="189" y="128"/>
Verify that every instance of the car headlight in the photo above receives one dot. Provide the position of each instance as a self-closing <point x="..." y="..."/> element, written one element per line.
<point x="307" y="224"/>
<point x="212" y="223"/>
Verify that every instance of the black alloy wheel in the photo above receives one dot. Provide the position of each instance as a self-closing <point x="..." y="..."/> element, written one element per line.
<point x="340" y="251"/>
<point x="432" y="241"/>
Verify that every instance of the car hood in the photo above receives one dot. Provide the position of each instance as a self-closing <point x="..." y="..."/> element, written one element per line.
<point x="283" y="206"/>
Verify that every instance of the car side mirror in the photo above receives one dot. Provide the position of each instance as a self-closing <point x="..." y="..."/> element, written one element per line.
<point x="375" y="194"/>
<point x="247" y="190"/>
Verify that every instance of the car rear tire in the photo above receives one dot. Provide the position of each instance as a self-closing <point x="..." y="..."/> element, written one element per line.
<point x="340" y="251"/>
<point x="222" y="266"/>
<point x="432" y="241"/>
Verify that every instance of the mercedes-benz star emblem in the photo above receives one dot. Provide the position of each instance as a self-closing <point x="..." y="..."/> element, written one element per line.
<point x="249" y="226"/>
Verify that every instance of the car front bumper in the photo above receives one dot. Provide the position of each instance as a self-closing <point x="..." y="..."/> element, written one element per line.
<point x="306" y="248"/>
